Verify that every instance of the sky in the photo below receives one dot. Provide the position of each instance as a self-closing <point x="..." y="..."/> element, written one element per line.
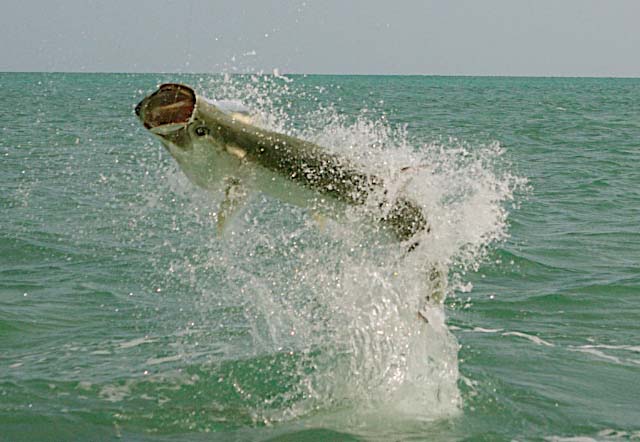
<point x="430" y="37"/>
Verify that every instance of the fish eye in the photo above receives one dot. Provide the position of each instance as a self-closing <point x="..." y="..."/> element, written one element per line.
<point x="201" y="131"/>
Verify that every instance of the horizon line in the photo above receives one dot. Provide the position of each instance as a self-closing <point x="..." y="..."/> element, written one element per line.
<point x="272" y="73"/>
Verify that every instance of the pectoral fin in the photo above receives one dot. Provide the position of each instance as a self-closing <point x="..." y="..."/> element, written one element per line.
<point x="235" y="197"/>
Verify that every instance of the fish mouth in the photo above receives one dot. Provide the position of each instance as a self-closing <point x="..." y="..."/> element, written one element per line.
<point x="168" y="109"/>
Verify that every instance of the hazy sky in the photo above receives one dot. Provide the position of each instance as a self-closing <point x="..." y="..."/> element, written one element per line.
<point x="463" y="37"/>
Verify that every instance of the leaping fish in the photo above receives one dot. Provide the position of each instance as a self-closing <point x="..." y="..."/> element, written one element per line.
<point x="223" y="150"/>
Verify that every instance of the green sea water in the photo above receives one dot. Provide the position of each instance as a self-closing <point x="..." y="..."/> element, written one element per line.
<point x="125" y="316"/>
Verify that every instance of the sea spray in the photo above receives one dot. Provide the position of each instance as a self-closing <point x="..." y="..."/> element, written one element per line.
<point x="295" y="316"/>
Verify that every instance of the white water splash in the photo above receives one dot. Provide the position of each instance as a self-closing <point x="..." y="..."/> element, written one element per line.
<point x="341" y="303"/>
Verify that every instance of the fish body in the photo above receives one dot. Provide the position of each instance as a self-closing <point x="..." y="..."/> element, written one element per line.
<point x="222" y="150"/>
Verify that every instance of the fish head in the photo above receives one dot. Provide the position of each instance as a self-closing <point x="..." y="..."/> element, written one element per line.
<point x="174" y="113"/>
<point x="169" y="113"/>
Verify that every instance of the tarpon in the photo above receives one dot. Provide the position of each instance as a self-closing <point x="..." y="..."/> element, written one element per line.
<point x="218" y="149"/>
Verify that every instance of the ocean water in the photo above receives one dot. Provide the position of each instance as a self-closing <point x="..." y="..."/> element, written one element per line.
<point x="125" y="316"/>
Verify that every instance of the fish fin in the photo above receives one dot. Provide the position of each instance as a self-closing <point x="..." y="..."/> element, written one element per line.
<point x="235" y="197"/>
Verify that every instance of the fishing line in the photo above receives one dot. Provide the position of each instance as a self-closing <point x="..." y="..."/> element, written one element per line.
<point x="189" y="37"/>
